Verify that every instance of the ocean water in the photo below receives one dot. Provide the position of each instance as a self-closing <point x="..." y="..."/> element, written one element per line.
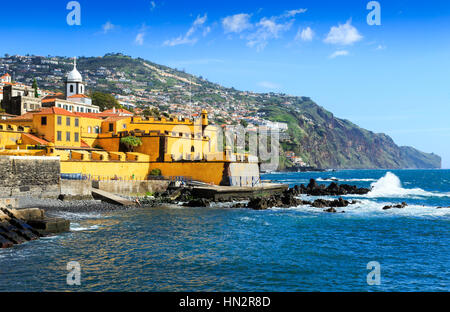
<point x="221" y="249"/>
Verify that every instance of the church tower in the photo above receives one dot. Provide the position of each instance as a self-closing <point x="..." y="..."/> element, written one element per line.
<point x="74" y="82"/>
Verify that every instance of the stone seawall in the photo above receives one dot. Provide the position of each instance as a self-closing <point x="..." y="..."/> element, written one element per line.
<point x="131" y="188"/>
<point x="29" y="176"/>
<point x="76" y="190"/>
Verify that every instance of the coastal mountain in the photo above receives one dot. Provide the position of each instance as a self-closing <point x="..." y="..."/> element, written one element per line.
<point x="314" y="134"/>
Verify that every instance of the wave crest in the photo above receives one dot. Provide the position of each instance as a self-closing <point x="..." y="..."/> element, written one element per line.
<point x="390" y="186"/>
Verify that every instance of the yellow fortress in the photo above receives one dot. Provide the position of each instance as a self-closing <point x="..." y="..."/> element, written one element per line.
<point x="91" y="144"/>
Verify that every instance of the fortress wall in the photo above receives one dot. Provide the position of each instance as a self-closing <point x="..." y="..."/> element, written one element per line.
<point x="130" y="188"/>
<point x="29" y="176"/>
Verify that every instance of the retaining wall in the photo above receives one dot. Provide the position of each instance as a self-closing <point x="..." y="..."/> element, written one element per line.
<point x="29" y="176"/>
<point x="131" y="187"/>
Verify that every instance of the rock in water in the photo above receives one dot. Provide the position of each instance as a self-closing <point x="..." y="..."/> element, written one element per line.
<point x="200" y="202"/>
<point x="399" y="206"/>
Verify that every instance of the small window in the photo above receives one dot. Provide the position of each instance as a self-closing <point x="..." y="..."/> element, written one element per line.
<point x="76" y="137"/>
<point x="124" y="126"/>
<point x="43" y="121"/>
<point x="111" y="127"/>
<point x="97" y="129"/>
<point x="67" y="136"/>
<point x="77" y="122"/>
<point x="59" y="136"/>
<point x="59" y="120"/>
<point x="67" y="121"/>
<point x="71" y="88"/>
<point x="89" y="129"/>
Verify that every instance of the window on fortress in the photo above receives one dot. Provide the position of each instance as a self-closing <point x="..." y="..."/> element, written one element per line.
<point x="59" y="120"/>
<point x="89" y="129"/>
<point x="59" y="136"/>
<point x="67" y="121"/>
<point x="111" y="127"/>
<point x="67" y="136"/>
<point x="97" y="129"/>
<point x="77" y="137"/>
<point x="43" y="121"/>
<point x="77" y="122"/>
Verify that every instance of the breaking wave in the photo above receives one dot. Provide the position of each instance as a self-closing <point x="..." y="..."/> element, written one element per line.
<point x="371" y="208"/>
<point x="390" y="186"/>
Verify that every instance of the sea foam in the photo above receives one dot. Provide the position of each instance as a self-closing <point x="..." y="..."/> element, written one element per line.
<point x="390" y="186"/>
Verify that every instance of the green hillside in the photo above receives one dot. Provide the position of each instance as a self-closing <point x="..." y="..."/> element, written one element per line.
<point x="321" y="139"/>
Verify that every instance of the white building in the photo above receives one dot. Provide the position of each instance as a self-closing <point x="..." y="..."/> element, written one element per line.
<point x="75" y="98"/>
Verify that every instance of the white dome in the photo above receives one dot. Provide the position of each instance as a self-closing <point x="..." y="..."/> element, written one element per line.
<point x="74" y="75"/>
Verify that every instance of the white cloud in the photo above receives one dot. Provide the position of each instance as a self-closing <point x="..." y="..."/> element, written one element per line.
<point x="188" y="37"/>
<point x="107" y="27"/>
<point x="381" y="47"/>
<point x="152" y="5"/>
<point x="293" y="13"/>
<point x="343" y="34"/>
<point x="236" y="23"/>
<point x="269" y="85"/>
<point x="206" y="31"/>
<point x="339" y="53"/>
<point x="140" y="38"/>
<point x="261" y="32"/>
<point x="267" y="29"/>
<point x="305" y="34"/>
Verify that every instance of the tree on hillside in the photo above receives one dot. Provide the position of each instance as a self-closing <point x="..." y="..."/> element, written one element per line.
<point x="154" y="112"/>
<point x="104" y="101"/>
<point x="35" y="87"/>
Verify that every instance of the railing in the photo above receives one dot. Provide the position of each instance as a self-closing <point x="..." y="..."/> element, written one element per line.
<point x="245" y="181"/>
<point x="89" y="177"/>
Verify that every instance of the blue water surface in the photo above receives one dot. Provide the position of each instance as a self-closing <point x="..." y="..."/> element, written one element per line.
<point x="222" y="249"/>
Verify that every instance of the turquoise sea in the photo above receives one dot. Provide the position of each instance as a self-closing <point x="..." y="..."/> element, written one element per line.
<point x="221" y="249"/>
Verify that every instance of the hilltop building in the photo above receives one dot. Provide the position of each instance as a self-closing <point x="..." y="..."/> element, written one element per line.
<point x="74" y="99"/>
<point x="19" y="99"/>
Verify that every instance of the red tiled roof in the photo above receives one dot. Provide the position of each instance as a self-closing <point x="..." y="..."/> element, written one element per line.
<point x="54" y="110"/>
<point x="77" y="96"/>
<point x="48" y="100"/>
<point x="26" y="116"/>
<point x="35" y="138"/>
<point x="118" y="111"/>
<point x="84" y="144"/>
<point x="116" y="118"/>
<point x="88" y="115"/>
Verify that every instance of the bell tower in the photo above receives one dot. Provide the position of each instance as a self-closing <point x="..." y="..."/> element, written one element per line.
<point x="74" y="81"/>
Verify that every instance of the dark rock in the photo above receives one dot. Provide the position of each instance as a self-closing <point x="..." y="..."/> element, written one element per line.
<point x="322" y="203"/>
<point x="399" y="206"/>
<point x="332" y="210"/>
<point x="333" y="189"/>
<point x="199" y="202"/>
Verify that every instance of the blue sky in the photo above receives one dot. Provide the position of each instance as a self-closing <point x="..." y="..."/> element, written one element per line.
<point x="391" y="78"/>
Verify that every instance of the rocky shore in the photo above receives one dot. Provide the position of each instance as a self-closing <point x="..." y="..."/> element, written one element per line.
<point x="288" y="198"/>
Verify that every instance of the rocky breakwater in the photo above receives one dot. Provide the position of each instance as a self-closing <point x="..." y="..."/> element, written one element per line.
<point x="333" y="189"/>
<point x="18" y="226"/>
<point x="289" y="197"/>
